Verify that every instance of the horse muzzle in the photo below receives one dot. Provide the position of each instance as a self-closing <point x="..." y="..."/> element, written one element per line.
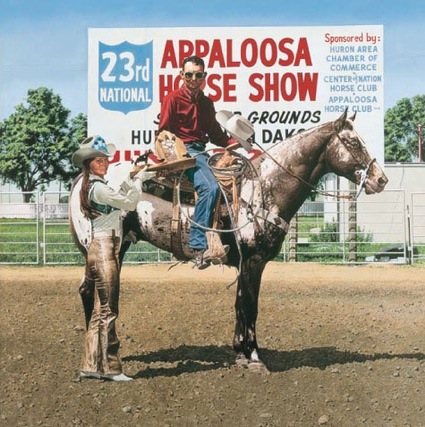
<point x="374" y="185"/>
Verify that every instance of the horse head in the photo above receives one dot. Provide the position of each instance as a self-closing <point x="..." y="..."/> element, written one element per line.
<point x="347" y="155"/>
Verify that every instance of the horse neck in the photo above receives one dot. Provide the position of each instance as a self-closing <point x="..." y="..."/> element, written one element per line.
<point x="301" y="156"/>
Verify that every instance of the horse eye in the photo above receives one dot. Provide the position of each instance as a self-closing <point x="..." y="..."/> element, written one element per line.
<point x="354" y="142"/>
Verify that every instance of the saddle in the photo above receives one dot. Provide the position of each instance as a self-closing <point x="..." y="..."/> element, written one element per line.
<point x="172" y="184"/>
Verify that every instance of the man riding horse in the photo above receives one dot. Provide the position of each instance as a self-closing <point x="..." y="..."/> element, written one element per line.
<point x="190" y="115"/>
<point x="279" y="182"/>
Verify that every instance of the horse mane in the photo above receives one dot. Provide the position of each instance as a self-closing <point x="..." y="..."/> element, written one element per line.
<point x="324" y="128"/>
<point x="321" y="130"/>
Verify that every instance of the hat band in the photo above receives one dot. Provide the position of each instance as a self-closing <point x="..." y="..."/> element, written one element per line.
<point x="100" y="144"/>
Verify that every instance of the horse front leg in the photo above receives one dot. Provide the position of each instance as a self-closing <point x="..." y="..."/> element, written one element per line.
<point x="246" y="306"/>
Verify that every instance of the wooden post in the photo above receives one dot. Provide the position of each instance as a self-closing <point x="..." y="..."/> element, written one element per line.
<point x="292" y="239"/>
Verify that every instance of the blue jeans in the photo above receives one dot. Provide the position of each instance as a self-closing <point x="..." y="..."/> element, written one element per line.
<point x="205" y="184"/>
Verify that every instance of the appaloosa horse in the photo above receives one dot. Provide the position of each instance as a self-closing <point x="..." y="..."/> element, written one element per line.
<point x="279" y="182"/>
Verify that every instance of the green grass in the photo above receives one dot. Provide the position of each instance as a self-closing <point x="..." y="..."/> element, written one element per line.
<point x="18" y="245"/>
<point x="325" y="247"/>
<point x="19" y="240"/>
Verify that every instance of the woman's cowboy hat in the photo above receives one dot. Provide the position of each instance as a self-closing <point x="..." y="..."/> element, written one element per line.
<point x="91" y="147"/>
<point x="238" y="127"/>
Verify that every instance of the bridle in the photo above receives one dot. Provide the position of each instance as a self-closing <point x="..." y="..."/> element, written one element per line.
<point x="366" y="166"/>
<point x="363" y="172"/>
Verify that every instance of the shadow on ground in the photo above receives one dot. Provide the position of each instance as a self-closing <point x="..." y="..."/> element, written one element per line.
<point x="187" y="359"/>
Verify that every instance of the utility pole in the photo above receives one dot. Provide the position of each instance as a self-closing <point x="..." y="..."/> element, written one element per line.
<point x="420" y="142"/>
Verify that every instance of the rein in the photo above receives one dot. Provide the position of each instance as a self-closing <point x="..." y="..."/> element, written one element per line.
<point x="303" y="181"/>
<point x="363" y="172"/>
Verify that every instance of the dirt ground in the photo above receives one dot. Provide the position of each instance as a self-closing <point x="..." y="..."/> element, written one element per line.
<point x="345" y="346"/>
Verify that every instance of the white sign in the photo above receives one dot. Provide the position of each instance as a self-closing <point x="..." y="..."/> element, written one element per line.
<point x="283" y="79"/>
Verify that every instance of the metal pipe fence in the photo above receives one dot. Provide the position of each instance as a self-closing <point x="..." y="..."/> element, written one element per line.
<point x="339" y="231"/>
<point x="378" y="228"/>
<point x="59" y="248"/>
<point x="417" y="227"/>
<point x="19" y="229"/>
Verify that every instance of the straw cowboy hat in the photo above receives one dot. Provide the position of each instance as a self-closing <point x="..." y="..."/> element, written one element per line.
<point x="238" y="127"/>
<point x="91" y="147"/>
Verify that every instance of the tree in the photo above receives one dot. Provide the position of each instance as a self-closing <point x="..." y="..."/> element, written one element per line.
<point x="37" y="142"/>
<point x="77" y="133"/>
<point x="400" y="129"/>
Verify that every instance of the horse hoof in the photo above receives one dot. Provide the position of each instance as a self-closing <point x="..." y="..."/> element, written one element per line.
<point x="254" y="364"/>
<point x="258" y="367"/>
<point x="242" y="361"/>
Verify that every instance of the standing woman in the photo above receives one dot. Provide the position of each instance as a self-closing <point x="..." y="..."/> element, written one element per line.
<point x="102" y="205"/>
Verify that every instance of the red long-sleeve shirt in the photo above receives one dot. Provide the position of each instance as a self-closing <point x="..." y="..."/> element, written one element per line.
<point x="192" y="119"/>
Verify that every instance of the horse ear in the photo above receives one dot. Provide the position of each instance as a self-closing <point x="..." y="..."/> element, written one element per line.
<point x="353" y="117"/>
<point x="339" y="123"/>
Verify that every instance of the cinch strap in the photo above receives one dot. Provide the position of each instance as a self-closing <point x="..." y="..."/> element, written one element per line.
<point x="273" y="219"/>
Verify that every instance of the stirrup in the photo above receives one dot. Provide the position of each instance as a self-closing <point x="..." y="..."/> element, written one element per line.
<point x="206" y="258"/>
<point x="202" y="262"/>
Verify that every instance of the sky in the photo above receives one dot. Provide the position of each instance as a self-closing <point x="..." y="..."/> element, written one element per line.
<point x="44" y="42"/>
